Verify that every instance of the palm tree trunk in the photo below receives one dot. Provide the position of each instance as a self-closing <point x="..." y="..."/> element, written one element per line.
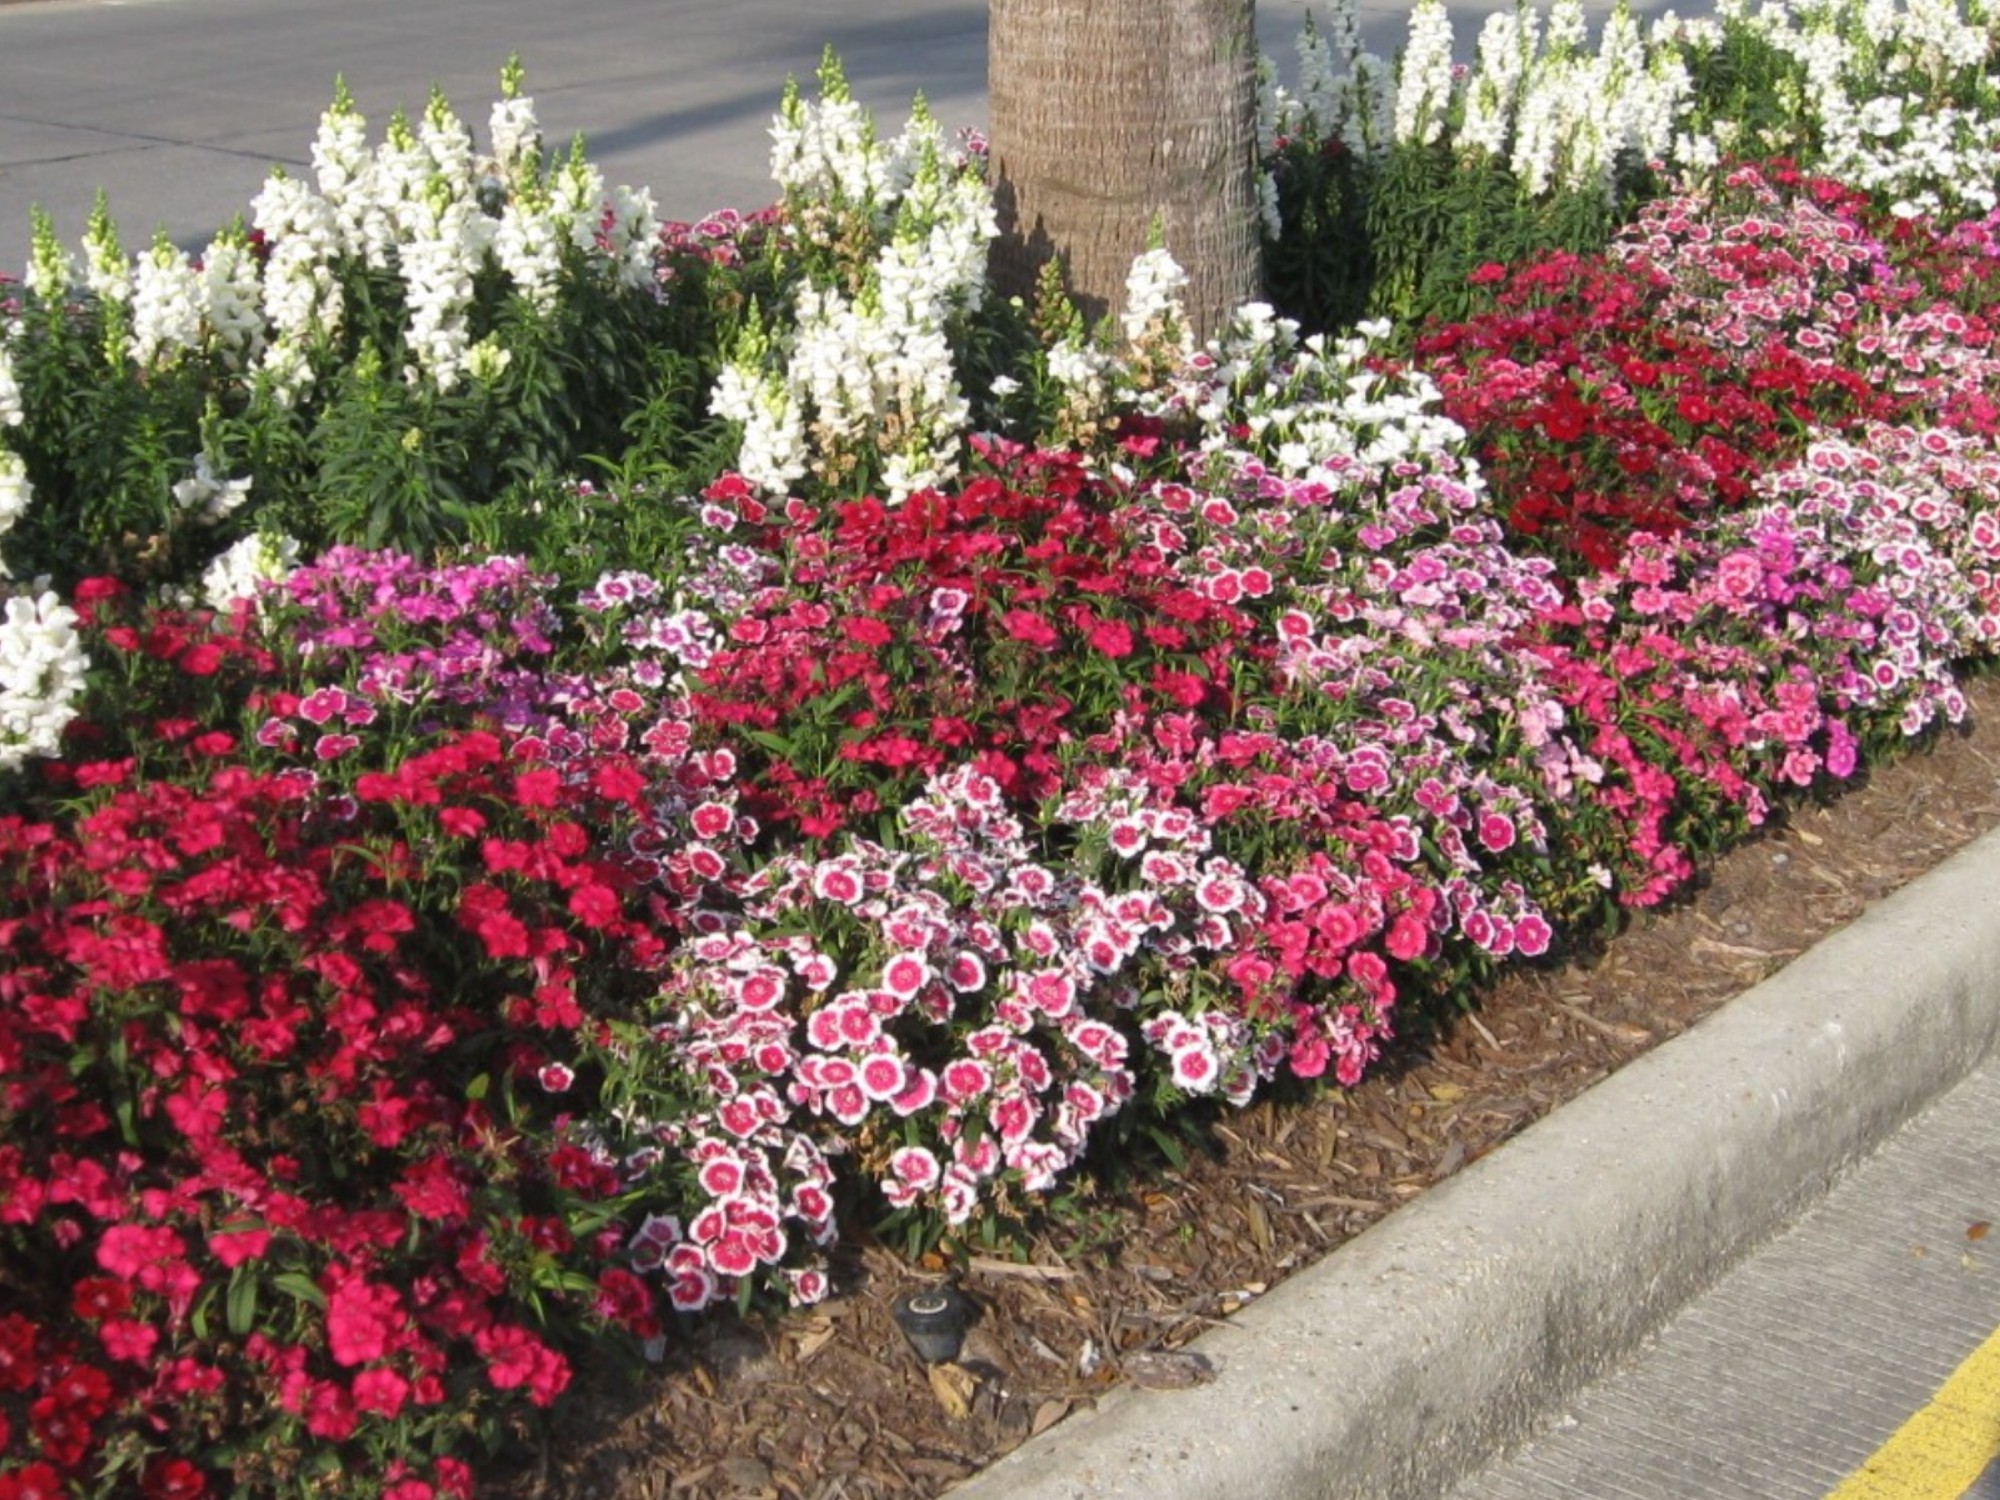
<point x="1108" y="116"/>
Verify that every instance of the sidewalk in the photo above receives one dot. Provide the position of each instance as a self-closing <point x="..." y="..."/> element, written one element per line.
<point x="1464" y="1322"/>
<point x="1783" y="1379"/>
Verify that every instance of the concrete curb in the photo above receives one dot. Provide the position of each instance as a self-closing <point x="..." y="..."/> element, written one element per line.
<point x="1419" y="1349"/>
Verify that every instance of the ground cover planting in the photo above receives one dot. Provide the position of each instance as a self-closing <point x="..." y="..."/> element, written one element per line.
<point x="553" y="766"/>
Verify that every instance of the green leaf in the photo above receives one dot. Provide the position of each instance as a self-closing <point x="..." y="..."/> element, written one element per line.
<point x="476" y="1090"/>
<point x="300" y="1286"/>
<point x="242" y="1306"/>
<point x="1169" y="1147"/>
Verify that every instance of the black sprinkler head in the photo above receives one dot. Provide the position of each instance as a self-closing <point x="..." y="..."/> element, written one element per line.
<point x="933" y="1320"/>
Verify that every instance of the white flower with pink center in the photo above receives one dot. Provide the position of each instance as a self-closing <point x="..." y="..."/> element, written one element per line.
<point x="1219" y="891"/>
<point x="760" y="990"/>
<point x="711" y="820"/>
<point x="1195" y="1068"/>
<point x="1013" y="1115"/>
<point x="916" y="1168"/>
<point x="965" y="1080"/>
<point x="959" y="1193"/>
<point x="556" y="1077"/>
<point x="838" y="882"/>
<point x="816" y="971"/>
<point x="919" y="1092"/>
<point x="966" y="972"/>
<point x="1128" y="836"/>
<point x="1052" y="992"/>
<point x="847" y="1104"/>
<point x="883" y="1076"/>
<point x="905" y="974"/>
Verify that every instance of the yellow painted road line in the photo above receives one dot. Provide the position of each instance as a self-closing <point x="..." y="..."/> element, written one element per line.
<point x="1943" y="1449"/>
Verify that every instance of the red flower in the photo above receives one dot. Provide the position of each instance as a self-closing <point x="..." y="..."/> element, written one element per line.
<point x="515" y="1357"/>
<point x="1112" y="637"/>
<point x="540" y="787"/>
<point x="130" y="1341"/>
<point x="35" y="1482"/>
<point x="381" y="1391"/>
<point x="202" y="661"/>
<point x="1027" y="626"/>
<point x="594" y="905"/>
<point x="97" y="1297"/>
<point x="362" y="1321"/>
<point x="233" y="1245"/>
<point x="172" y="1479"/>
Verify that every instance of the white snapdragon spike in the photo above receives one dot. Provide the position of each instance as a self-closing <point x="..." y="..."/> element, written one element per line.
<point x="208" y="498"/>
<point x="1424" y="84"/>
<point x="166" y="305"/>
<point x="15" y="494"/>
<point x="578" y="199"/>
<point x="1319" y="74"/>
<point x="50" y="270"/>
<point x="631" y="235"/>
<point x="1506" y="48"/>
<point x="439" y="262"/>
<point x="105" y="270"/>
<point x="12" y="413"/>
<point x="1566" y="29"/>
<point x="398" y="200"/>
<point x="826" y="152"/>
<point x="243" y="570"/>
<point x="773" y="455"/>
<point x="1543" y="127"/>
<point x="285" y="371"/>
<point x="528" y="243"/>
<point x="1153" y="305"/>
<point x="302" y="235"/>
<point x="345" y="169"/>
<point x="515" y="133"/>
<point x="42" y="666"/>
<point x="449" y="146"/>
<point x="230" y="294"/>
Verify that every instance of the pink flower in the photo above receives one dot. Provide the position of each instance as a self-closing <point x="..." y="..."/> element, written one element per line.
<point x="516" y="1358"/>
<point x="362" y="1321"/>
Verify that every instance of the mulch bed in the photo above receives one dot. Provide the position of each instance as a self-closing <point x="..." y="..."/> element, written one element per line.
<point x="831" y="1404"/>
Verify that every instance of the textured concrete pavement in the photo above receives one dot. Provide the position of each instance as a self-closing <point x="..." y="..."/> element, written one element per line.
<point x="1787" y="1375"/>
<point x="1456" y="1326"/>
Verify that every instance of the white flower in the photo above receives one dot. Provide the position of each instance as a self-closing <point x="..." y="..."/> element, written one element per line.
<point x="1153" y="290"/>
<point x="166" y="305"/>
<point x="230" y="297"/>
<point x="240" y="571"/>
<point x="1423" y="85"/>
<point x="15" y="493"/>
<point x="208" y="498"/>
<point x="42" y="666"/>
<point x="11" y="412"/>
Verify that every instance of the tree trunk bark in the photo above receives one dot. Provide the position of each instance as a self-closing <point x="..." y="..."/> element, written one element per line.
<point x="1107" y="116"/>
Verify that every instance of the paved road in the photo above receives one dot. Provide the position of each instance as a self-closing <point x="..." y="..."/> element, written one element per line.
<point x="1854" y="1357"/>
<point x="178" y="108"/>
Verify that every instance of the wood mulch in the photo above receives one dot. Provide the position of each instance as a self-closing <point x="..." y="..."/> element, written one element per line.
<point x="831" y="1404"/>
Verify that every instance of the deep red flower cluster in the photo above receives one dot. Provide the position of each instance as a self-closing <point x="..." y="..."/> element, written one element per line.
<point x="1640" y="388"/>
<point x="272" y="1161"/>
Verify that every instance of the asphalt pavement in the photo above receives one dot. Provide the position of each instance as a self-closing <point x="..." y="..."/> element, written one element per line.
<point x="179" y="108"/>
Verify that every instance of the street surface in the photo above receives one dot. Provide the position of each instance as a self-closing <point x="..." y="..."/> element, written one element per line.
<point x="179" y="108"/>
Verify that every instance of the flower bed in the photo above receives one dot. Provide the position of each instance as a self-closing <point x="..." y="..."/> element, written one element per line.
<point x="510" y="912"/>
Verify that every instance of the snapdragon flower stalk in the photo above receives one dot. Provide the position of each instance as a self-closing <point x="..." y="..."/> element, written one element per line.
<point x="42" y="667"/>
<point x="863" y="385"/>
